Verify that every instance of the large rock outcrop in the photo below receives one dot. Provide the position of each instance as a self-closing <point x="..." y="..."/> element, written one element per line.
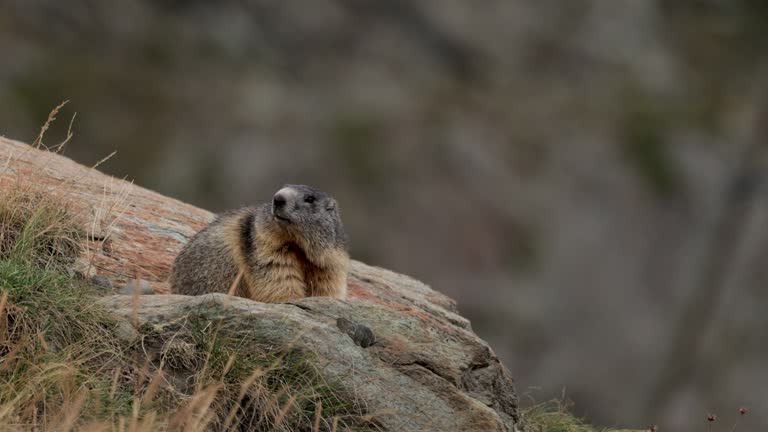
<point x="397" y="346"/>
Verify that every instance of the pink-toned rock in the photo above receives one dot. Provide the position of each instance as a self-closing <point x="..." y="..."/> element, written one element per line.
<point x="396" y="345"/>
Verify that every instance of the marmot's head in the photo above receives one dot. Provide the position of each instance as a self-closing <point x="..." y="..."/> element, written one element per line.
<point x="311" y="217"/>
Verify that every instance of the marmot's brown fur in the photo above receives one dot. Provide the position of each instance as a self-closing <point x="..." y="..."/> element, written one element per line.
<point x="290" y="248"/>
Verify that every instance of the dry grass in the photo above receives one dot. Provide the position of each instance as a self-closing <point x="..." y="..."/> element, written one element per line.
<point x="66" y="364"/>
<point x="53" y="339"/>
<point x="555" y="416"/>
<point x="38" y="230"/>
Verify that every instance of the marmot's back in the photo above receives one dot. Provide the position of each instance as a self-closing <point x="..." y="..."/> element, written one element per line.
<point x="206" y="263"/>
<point x="291" y="248"/>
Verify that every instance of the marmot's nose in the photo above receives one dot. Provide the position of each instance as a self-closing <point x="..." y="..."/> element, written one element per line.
<point x="279" y="200"/>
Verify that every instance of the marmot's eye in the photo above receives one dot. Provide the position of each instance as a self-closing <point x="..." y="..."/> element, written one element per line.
<point x="309" y="199"/>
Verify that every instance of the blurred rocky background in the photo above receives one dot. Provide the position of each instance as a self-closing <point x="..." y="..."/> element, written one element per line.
<point x="584" y="176"/>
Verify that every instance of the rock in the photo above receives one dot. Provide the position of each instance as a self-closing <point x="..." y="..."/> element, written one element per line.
<point x="102" y="282"/>
<point x="136" y="286"/>
<point x="360" y="334"/>
<point x="126" y="332"/>
<point x="395" y="345"/>
<point x="418" y="374"/>
<point x="82" y="269"/>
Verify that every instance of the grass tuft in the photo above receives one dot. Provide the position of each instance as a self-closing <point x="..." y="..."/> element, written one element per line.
<point x="553" y="416"/>
<point x="37" y="230"/>
<point x="54" y="340"/>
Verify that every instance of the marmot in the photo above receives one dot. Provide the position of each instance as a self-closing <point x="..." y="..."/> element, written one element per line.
<point x="292" y="247"/>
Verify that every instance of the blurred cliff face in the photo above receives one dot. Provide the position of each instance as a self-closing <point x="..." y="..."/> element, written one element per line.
<point x="557" y="167"/>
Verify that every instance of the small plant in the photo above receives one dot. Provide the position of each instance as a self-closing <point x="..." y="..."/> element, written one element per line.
<point x="553" y="416"/>
<point x="712" y="418"/>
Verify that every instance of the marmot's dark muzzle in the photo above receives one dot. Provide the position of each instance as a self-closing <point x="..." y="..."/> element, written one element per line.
<point x="279" y="204"/>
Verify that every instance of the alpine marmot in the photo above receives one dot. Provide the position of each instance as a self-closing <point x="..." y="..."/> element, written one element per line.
<point x="292" y="247"/>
